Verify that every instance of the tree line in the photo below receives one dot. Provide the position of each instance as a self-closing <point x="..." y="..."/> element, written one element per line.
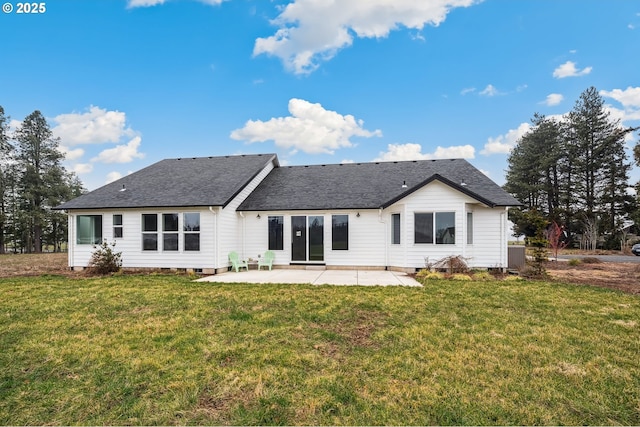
<point x="32" y="181"/>
<point x="574" y="171"/>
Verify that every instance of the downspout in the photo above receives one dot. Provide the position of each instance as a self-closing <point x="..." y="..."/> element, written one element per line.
<point x="503" y="240"/>
<point x="243" y="232"/>
<point x="71" y="244"/>
<point x="386" y="238"/>
<point x="215" y="239"/>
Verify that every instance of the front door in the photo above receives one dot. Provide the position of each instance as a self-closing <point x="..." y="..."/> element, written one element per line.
<point x="307" y="238"/>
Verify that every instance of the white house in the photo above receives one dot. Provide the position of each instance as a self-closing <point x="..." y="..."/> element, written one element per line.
<point x="190" y="213"/>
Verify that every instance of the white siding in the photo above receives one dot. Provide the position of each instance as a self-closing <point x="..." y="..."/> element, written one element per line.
<point x="366" y="237"/>
<point x="230" y="223"/>
<point x="370" y="233"/>
<point x="131" y="243"/>
<point x="489" y="238"/>
<point x="489" y="244"/>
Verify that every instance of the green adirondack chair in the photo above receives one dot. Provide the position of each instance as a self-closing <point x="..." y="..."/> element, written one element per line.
<point x="236" y="263"/>
<point x="267" y="260"/>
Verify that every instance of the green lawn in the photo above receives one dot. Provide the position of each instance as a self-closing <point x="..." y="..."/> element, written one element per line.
<point x="165" y="350"/>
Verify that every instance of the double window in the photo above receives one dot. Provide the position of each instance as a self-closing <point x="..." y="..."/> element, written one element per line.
<point x="191" y="229"/>
<point x="438" y="227"/>
<point x="117" y="226"/>
<point x="171" y="231"/>
<point x="149" y="232"/>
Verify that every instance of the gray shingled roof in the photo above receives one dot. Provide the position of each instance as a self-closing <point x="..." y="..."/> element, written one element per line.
<point x="368" y="185"/>
<point x="202" y="181"/>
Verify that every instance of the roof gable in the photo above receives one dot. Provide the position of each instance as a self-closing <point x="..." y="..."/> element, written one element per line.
<point x="199" y="181"/>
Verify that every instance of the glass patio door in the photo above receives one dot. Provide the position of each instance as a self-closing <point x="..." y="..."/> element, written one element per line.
<point x="307" y="238"/>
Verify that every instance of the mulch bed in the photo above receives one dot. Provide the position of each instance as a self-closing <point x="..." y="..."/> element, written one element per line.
<point x="621" y="276"/>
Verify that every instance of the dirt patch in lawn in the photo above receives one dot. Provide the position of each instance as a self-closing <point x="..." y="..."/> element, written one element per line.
<point x="621" y="276"/>
<point x="13" y="265"/>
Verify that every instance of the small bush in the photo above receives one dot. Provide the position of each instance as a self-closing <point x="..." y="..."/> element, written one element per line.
<point x="591" y="260"/>
<point x="451" y="264"/>
<point x="512" y="278"/>
<point x="533" y="272"/>
<point x="482" y="275"/>
<point x="460" y="276"/>
<point x="574" y="262"/>
<point x="104" y="259"/>
<point x="429" y="275"/>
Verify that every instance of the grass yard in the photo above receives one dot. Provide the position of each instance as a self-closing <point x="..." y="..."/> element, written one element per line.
<point x="161" y="349"/>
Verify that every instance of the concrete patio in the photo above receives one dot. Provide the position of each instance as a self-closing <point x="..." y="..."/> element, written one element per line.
<point x="316" y="277"/>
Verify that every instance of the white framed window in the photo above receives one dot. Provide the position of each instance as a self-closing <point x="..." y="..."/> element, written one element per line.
<point x="395" y="228"/>
<point x="149" y="232"/>
<point x="118" y="231"/>
<point x="191" y="229"/>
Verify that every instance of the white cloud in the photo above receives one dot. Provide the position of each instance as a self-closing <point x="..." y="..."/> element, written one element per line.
<point x="553" y="99"/>
<point x="71" y="154"/>
<point x="411" y="151"/>
<point x="347" y="162"/>
<point x="82" y="168"/>
<point x="121" y="153"/>
<point x="503" y="144"/>
<point x="113" y="176"/>
<point x="95" y="126"/>
<point x="310" y="128"/>
<point x="144" y="3"/>
<point x="149" y="3"/>
<point x="490" y="90"/>
<point x="630" y="97"/>
<point x="630" y="100"/>
<point x="312" y="31"/>
<point x="467" y="90"/>
<point x="568" y="69"/>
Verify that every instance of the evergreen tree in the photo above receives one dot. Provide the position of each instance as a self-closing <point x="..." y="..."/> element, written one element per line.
<point x="575" y="171"/>
<point x="599" y="159"/>
<point x="5" y="159"/>
<point x="40" y="166"/>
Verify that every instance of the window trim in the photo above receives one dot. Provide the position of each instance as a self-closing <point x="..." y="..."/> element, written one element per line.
<point x="117" y="226"/>
<point x="173" y="234"/>
<point x="96" y="240"/>
<point x="278" y="240"/>
<point x="434" y="230"/>
<point x="396" y="238"/>
<point x="185" y="232"/>
<point x="149" y="233"/>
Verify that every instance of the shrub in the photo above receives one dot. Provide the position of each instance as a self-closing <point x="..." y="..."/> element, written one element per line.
<point x="482" y="275"/>
<point x="429" y="275"/>
<point x="451" y="264"/>
<point x="591" y="260"/>
<point x="460" y="276"/>
<point x="105" y="259"/>
<point x="574" y="262"/>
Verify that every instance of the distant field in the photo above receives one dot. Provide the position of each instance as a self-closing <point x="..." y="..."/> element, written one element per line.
<point x="161" y="349"/>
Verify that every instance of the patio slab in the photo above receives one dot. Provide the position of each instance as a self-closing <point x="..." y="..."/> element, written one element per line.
<point x="316" y="277"/>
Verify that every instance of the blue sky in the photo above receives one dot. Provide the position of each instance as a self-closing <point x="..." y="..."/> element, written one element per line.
<point x="125" y="83"/>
